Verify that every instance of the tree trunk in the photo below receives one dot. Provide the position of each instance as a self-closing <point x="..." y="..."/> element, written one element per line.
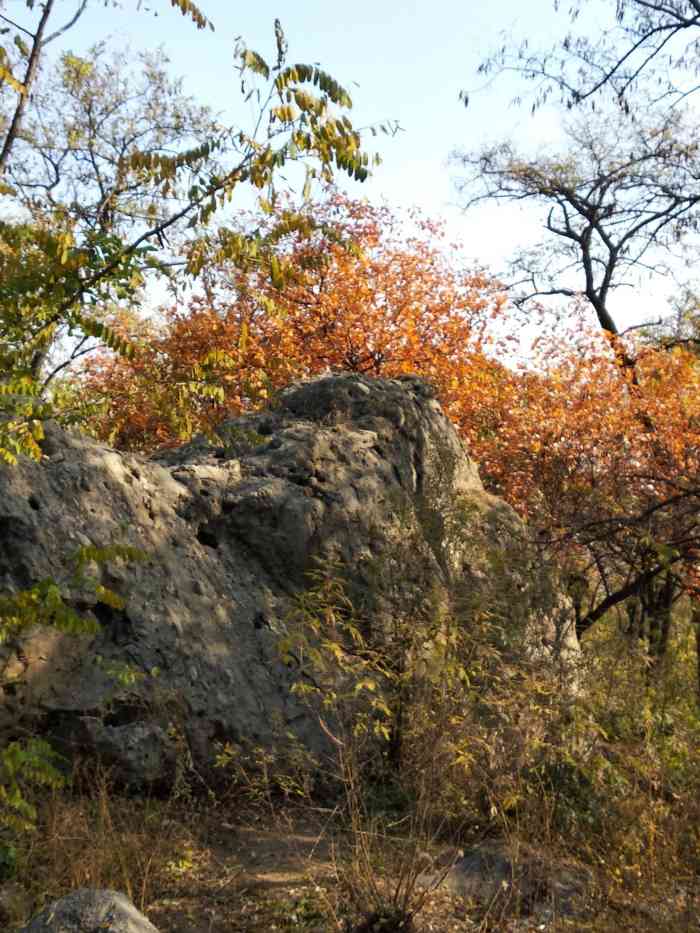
<point x="695" y="620"/>
<point x="659" y="605"/>
<point x="635" y="619"/>
<point x="29" y="75"/>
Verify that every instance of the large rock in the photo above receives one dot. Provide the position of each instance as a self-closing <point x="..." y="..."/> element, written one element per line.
<point x="365" y="476"/>
<point x="87" y="910"/>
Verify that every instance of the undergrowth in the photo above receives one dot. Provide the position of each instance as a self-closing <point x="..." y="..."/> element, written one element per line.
<point x="439" y="740"/>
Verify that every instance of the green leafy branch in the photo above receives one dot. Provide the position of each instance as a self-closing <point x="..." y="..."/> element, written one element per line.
<point x="45" y="603"/>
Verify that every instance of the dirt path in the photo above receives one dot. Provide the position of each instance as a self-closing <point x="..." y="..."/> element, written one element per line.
<point x="258" y="878"/>
<point x="253" y="878"/>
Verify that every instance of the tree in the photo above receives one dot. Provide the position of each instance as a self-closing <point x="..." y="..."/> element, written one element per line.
<point x="96" y="257"/>
<point x="21" y="57"/>
<point x="618" y="201"/>
<point x="612" y="474"/>
<point x="87" y="118"/>
<point x="600" y="447"/>
<point x="648" y="43"/>
<point x="357" y="293"/>
<point x="564" y="443"/>
<point x="681" y="328"/>
<point x="616" y="502"/>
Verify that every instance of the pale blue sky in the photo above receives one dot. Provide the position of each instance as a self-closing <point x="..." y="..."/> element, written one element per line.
<point x="410" y="59"/>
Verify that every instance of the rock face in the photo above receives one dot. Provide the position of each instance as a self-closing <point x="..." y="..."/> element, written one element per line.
<point x="365" y="476"/>
<point x="88" y="909"/>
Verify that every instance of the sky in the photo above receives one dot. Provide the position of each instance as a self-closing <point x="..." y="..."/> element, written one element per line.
<point x="402" y="60"/>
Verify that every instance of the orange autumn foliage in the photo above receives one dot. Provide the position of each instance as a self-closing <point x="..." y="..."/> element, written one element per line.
<point x="367" y="297"/>
<point x="604" y="462"/>
<point x="603" y="466"/>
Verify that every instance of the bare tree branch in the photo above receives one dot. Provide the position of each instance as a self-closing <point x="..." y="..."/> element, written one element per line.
<point x="69" y="25"/>
<point x="622" y="198"/>
<point x="647" y="39"/>
<point x="29" y="76"/>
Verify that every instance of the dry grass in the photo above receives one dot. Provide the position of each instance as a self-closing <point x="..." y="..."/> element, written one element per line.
<point x="101" y="840"/>
<point x="197" y="867"/>
<point x="607" y="785"/>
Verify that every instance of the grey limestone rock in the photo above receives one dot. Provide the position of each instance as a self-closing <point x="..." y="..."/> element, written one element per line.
<point x="365" y="476"/>
<point x="87" y="910"/>
<point x="518" y="881"/>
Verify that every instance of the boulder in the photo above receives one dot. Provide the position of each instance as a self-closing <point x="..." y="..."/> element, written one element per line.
<point x="511" y="879"/>
<point x="89" y="909"/>
<point x="345" y="474"/>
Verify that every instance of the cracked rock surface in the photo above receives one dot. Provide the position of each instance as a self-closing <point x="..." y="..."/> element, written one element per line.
<point x="366" y="476"/>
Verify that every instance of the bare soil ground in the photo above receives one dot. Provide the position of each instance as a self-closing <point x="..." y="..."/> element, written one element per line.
<point x="253" y="878"/>
<point x="284" y="873"/>
<point x="194" y="868"/>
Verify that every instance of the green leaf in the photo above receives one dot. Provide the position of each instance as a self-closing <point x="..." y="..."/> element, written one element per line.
<point x="108" y="336"/>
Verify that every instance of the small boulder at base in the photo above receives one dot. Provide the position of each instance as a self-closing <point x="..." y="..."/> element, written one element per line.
<point x="88" y="909"/>
<point x="512" y="879"/>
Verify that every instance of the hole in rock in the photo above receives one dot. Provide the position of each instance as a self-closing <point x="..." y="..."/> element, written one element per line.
<point x="123" y="715"/>
<point x="16" y="539"/>
<point x="299" y="479"/>
<point x="34" y="503"/>
<point x="115" y="622"/>
<point x="206" y="536"/>
<point x="260" y="621"/>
